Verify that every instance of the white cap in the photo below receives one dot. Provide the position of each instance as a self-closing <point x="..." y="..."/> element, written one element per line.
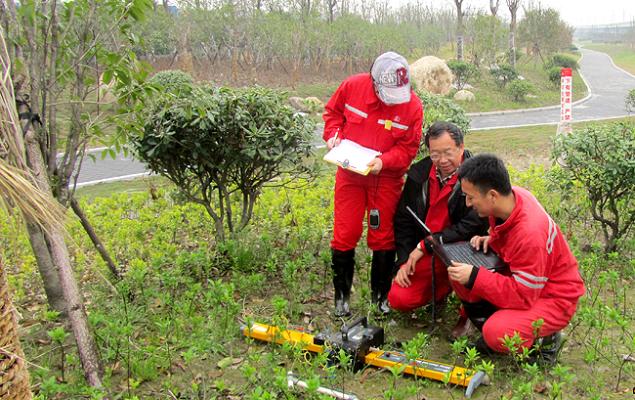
<point x="391" y="77"/>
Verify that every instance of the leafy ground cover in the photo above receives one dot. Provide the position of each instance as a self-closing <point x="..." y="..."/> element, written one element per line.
<point x="489" y="97"/>
<point x="170" y="328"/>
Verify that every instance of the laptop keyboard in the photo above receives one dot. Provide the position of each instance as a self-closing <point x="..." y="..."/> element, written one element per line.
<point x="463" y="252"/>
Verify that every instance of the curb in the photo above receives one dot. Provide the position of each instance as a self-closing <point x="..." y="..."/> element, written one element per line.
<point x="114" y="179"/>
<point x="614" y="65"/>
<point x="525" y="110"/>
<point x="551" y="123"/>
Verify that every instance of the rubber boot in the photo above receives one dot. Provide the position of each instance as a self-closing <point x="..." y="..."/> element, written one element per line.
<point x="343" y="264"/>
<point x="548" y="349"/>
<point x="381" y="274"/>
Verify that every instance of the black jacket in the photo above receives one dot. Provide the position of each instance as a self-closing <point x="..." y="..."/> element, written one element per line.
<point x="465" y="222"/>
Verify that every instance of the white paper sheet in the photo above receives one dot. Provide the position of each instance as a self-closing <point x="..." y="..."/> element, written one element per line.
<point x="351" y="156"/>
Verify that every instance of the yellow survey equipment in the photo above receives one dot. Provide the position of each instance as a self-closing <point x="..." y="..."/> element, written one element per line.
<point x="361" y="342"/>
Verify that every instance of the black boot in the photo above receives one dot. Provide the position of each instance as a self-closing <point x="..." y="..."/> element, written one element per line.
<point x="381" y="274"/>
<point x="343" y="264"/>
<point x="548" y="349"/>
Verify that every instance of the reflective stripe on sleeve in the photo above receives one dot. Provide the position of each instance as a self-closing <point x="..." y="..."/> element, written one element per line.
<point x="528" y="284"/>
<point x="532" y="277"/>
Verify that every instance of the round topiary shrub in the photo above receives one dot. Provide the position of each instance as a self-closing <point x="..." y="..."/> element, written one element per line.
<point x="440" y="108"/>
<point x="519" y="89"/>
<point x="172" y="80"/>
<point x="563" y="61"/>
<point x="554" y="75"/>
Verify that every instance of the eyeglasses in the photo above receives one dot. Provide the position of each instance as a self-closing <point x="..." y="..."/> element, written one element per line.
<point x="447" y="153"/>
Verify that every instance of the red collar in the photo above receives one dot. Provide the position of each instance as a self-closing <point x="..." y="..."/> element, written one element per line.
<point x="509" y="222"/>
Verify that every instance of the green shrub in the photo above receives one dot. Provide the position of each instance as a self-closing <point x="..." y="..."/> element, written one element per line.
<point x="629" y="102"/>
<point x="217" y="144"/>
<point x="463" y="72"/>
<point x="563" y="61"/>
<point x="440" y="108"/>
<point x="504" y="74"/>
<point x="554" y="75"/>
<point x="172" y="80"/>
<point x="601" y="159"/>
<point x="518" y="89"/>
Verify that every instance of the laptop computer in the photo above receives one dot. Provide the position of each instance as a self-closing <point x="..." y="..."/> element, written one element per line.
<point x="462" y="252"/>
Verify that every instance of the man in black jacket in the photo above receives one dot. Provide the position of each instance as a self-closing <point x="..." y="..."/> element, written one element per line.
<point x="433" y="191"/>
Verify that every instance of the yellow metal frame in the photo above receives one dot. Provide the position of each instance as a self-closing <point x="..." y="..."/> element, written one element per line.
<point x="377" y="358"/>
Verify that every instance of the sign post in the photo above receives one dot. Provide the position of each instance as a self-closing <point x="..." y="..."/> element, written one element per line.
<point x="566" y="94"/>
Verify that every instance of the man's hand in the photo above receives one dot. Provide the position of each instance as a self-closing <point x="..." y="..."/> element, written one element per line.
<point x="460" y="272"/>
<point x="408" y="268"/>
<point x="480" y="241"/>
<point x="375" y="165"/>
<point x="332" y="142"/>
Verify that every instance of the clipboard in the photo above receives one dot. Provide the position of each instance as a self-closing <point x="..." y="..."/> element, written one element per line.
<point x="351" y="156"/>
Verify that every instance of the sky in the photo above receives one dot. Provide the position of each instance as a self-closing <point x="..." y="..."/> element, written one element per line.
<point x="574" y="12"/>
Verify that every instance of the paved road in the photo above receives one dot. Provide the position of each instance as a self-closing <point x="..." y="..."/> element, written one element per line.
<point x="109" y="169"/>
<point x="609" y="86"/>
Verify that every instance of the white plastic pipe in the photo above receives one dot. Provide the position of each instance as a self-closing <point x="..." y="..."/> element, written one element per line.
<point x="293" y="381"/>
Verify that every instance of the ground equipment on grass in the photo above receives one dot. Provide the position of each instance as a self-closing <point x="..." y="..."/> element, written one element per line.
<point x="361" y="342"/>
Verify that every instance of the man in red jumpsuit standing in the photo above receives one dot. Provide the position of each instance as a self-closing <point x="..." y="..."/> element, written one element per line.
<point x="379" y="111"/>
<point x="543" y="281"/>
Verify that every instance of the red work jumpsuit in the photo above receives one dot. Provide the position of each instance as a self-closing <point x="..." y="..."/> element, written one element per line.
<point x="357" y="114"/>
<point x="543" y="281"/>
<point x="419" y="293"/>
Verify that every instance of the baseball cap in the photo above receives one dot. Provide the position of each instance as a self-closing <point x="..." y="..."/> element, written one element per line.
<point x="391" y="77"/>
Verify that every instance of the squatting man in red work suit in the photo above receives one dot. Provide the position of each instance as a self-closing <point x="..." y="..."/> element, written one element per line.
<point x="543" y="280"/>
<point x="379" y="111"/>
<point x="433" y="191"/>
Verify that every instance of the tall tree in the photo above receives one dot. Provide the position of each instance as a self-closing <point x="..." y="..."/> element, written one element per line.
<point x="513" y="9"/>
<point x="493" y="7"/>
<point x="460" y="29"/>
<point x="63" y="54"/>
<point x="331" y="5"/>
<point x="543" y="33"/>
<point x="17" y="189"/>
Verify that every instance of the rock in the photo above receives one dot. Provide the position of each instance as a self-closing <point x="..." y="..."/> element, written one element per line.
<point x="432" y="74"/>
<point x="314" y="105"/>
<point x="464" y="95"/>
<point x="298" y="103"/>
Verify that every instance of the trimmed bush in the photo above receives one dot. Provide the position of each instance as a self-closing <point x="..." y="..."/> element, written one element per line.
<point x="504" y="74"/>
<point x="439" y="108"/>
<point x="601" y="160"/>
<point x="221" y="146"/>
<point x="629" y="102"/>
<point x="518" y="89"/>
<point x="172" y="80"/>
<point x="463" y="72"/>
<point x="554" y="75"/>
<point x="563" y="61"/>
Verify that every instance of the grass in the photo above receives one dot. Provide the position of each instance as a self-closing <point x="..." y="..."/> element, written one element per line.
<point x="490" y="97"/>
<point x="522" y="146"/>
<point x="144" y="184"/>
<point x="622" y="54"/>
<point x="322" y="90"/>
